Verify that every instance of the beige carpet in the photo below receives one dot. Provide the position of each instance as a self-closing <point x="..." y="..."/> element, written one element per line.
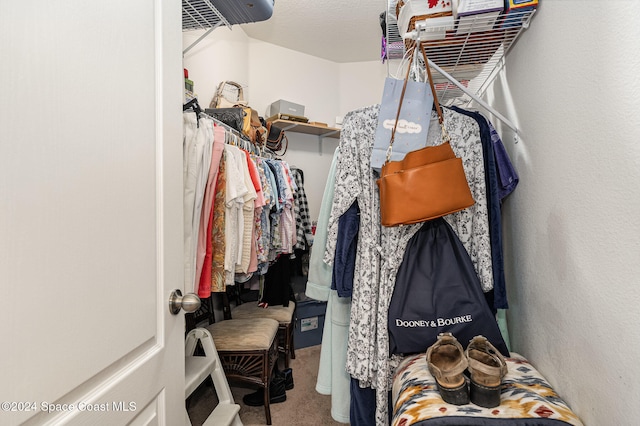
<point x="304" y="406"/>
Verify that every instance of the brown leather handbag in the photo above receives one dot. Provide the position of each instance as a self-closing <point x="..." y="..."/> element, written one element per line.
<point x="427" y="183"/>
<point x="276" y="139"/>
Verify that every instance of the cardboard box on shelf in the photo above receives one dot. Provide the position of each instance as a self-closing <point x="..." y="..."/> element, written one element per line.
<point x="286" y="108"/>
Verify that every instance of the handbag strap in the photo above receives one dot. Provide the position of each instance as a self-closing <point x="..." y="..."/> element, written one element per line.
<point x="237" y="86"/>
<point x="445" y="134"/>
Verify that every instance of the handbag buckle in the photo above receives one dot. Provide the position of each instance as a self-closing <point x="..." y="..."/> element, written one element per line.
<point x="445" y="135"/>
<point x="388" y="154"/>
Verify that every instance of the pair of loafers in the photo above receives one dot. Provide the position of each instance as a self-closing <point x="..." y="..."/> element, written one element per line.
<point x="448" y="361"/>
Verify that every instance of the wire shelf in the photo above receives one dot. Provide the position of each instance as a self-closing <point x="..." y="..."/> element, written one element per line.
<point x="201" y="15"/>
<point x="395" y="44"/>
<point x="472" y="51"/>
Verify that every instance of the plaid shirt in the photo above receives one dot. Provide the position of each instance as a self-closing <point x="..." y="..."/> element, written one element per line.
<point x="301" y="211"/>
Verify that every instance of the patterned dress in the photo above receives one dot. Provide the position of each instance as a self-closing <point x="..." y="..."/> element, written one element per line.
<point x="217" y="229"/>
<point x="381" y="249"/>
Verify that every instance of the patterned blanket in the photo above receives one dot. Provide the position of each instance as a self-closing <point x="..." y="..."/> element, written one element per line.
<point x="527" y="399"/>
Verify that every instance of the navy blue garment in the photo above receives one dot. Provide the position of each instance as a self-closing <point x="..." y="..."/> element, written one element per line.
<point x="344" y="263"/>
<point x="507" y="176"/>
<point x="497" y="300"/>
<point x="362" y="407"/>
<point x="438" y="291"/>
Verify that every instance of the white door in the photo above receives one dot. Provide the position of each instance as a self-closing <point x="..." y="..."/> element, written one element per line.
<point x="90" y="212"/>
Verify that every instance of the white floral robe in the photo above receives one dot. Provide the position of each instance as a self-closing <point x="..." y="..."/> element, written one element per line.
<point x="381" y="249"/>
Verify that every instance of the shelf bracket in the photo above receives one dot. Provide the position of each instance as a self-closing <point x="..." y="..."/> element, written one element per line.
<point x="481" y="102"/>
<point x="192" y="45"/>
<point x="325" y="135"/>
<point x="328" y="134"/>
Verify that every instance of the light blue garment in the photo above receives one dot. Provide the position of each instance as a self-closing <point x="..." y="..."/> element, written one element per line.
<point x="319" y="278"/>
<point x="333" y="378"/>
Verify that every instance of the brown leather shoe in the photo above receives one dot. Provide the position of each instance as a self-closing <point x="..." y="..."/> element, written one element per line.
<point x="487" y="367"/>
<point x="447" y="363"/>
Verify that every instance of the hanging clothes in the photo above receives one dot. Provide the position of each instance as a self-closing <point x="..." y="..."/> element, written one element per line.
<point x="346" y="247"/>
<point x="287" y="220"/>
<point x="190" y="163"/>
<point x="275" y="247"/>
<point x="333" y="378"/>
<point x="498" y="295"/>
<point x="197" y="145"/>
<point x="301" y="212"/>
<point x="259" y="203"/>
<point x="507" y="176"/>
<point x="218" y="226"/>
<point x="264" y="233"/>
<point x="205" y="245"/>
<point x="380" y="250"/>
<point x="234" y="203"/>
<point x="239" y="208"/>
<point x="248" y="209"/>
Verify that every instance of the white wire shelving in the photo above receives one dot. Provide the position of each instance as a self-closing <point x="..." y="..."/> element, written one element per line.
<point x="200" y="15"/>
<point x="472" y="52"/>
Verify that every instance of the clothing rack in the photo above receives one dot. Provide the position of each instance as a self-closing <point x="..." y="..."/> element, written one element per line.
<point x="241" y="140"/>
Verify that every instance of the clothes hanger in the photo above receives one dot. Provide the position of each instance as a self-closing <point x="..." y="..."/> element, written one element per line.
<point x="195" y="106"/>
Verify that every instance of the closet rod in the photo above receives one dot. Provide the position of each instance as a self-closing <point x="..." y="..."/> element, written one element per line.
<point x="195" y="106"/>
<point x="193" y="103"/>
<point x="250" y="146"/>
<point x="226" y="126"/>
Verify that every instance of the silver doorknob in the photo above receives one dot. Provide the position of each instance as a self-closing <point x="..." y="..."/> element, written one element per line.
<point x="190" y="302"/>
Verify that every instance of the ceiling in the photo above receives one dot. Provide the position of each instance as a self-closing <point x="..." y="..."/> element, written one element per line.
<point x="336" y="30"/>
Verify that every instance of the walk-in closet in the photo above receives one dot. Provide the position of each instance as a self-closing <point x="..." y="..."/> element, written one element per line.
<point x="280" y="251"/>
<point x="523" y="90"/>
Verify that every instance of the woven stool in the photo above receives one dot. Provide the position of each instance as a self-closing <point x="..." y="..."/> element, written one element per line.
<point x="282" y="314"/>
<point x="248" y="351"/>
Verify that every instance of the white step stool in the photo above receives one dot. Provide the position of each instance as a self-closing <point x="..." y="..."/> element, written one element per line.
<point x="197" y="368"/>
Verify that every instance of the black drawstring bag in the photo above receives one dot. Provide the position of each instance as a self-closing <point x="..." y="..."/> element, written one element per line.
<point x="437" y="290"/>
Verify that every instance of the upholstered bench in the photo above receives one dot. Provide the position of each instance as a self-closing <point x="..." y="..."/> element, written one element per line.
<point x="248" y="351"/>
<point x="527" y="399"/>
<point x="282" y="314"/>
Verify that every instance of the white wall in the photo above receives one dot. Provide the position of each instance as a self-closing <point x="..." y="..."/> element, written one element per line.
<point x="571" y="227"/>
<point x="361" y="84"/>
<point x="215" y="59"/>
<point x="279" y="73"/>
